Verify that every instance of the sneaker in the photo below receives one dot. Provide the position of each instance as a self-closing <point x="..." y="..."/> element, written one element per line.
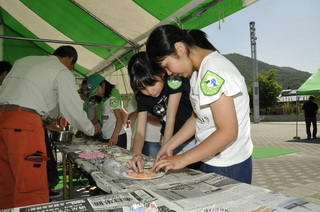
<point x="315" y="137"/>
<point x="308" y="137"/>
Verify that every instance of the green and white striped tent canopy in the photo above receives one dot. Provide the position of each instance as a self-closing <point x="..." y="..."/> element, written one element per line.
<point x="105" y="33"/>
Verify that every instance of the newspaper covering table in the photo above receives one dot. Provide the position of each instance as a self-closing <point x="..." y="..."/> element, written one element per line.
<point x="198" y="193"/>
<point x="179" y="190"/>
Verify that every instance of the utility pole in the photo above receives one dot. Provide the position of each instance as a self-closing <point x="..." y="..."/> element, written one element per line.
<point x="255" y="82"/>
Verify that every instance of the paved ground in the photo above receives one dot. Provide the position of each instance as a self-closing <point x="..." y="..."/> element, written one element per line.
<point x="295" y="174"/>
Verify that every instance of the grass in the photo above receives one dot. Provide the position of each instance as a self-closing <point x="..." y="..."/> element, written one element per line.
<point x="76" y="182"/>
<point x="266" y="152"/>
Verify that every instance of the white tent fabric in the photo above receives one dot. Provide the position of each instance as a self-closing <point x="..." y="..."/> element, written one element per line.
<point x="121" y="79"/>
<point x="125" y="24"/>
<point x="42" y="29"/>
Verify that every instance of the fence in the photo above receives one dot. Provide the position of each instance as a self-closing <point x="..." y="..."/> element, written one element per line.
<point x="281" y="118"/>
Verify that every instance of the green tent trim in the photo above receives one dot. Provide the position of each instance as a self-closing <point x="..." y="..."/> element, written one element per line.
<point x="311" y="86"/>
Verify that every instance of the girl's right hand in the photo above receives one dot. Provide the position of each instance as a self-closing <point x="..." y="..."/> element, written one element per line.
<point x="136" y="163"/>
<point x="164" y="152"/>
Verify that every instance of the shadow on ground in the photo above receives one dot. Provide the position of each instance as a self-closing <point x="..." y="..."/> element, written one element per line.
<point x="309" y="141"/>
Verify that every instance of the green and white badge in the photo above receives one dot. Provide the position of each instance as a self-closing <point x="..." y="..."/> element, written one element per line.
<point x="211" y="83"/>
<point x="114" y="103"/>
<point x="174" y="82"/>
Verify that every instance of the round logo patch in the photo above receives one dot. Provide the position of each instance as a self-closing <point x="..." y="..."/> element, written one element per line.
<point x="174" y="82"/>
<point x="114" y="103"/>
<point x="211" y="83"/>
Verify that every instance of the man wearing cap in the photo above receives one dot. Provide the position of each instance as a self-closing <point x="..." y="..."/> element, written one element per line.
<point x="34" y="86"/>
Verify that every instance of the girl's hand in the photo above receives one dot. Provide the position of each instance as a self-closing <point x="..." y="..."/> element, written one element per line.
<point x="136" y="163"/>
<point x="172" y="162"/>
<point x="113" y="141"/>
<point x="164" y="152"/>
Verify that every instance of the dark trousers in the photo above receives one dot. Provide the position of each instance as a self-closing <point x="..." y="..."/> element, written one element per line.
<point x="241" y="172"/>
<point x="52" y="166"/>
<point x="312" y="120"/>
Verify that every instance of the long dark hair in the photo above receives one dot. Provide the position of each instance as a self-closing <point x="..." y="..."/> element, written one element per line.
<point x="141" y="72"/>
<point x="107" y="92"/>
<point x="162" y="39"/>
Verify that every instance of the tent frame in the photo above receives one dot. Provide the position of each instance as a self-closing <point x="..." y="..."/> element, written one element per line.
<point x="64" y="42"/>
<point x="82" y="44"/>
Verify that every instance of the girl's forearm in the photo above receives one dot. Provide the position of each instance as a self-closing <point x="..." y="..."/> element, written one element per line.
<point x="138" y="144"/>
<point x="117" y="128"/>
<point x="185" y="133"/>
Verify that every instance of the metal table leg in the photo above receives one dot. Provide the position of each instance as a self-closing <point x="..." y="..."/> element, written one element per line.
<point x="70" y="178"/>
<point x="64" y="179"/>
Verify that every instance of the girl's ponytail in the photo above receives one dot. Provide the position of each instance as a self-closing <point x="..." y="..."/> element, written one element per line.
<point x="162" y="39"/>
<point x="195" y="37"/>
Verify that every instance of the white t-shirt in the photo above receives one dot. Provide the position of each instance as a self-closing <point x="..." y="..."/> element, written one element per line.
<point x="108" y="117"/>
<point x="216" y="76"/>
<point x="152" y="131"/>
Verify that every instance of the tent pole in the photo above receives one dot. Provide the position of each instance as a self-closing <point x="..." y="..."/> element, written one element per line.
<point x="64" y="42"/>
<point x="124" y="81"/>
<point x="297" y="119"/>
<point x="1" y="41"/>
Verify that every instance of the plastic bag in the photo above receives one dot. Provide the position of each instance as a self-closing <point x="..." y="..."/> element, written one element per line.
<point x="114" y="168"/>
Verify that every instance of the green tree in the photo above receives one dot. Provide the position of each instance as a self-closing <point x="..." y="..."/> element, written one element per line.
<point x="269" y="90"/>
<point x="317" y="99"/>
<point x="288" y="109"/>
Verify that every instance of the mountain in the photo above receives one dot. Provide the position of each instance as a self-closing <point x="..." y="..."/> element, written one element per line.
<point x="286" y="76"/>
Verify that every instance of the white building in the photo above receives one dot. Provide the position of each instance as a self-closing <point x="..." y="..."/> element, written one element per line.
<point x="289" y="95"/>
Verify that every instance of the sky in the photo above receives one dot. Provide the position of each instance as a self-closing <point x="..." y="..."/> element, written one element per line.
<point x="287" y="31"/>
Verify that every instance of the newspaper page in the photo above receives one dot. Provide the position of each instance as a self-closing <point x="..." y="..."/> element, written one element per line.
<point x="115" y="185"/>
<point x="87" y="166"/>
<point x="193" y="194"/>
<point x="204" y="194"/>
<point x="118" y="201"/>
<point x="180" y="190"/>
<point x="215" y="192"/>
<point x="191" y="191"/>
<point x="111" y="202"/>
